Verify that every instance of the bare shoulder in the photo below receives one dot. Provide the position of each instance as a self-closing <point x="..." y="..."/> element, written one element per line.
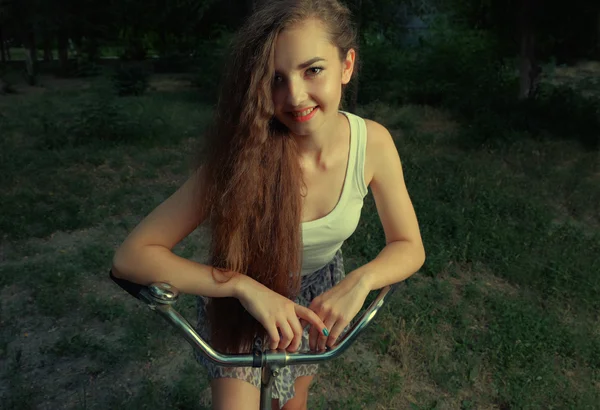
<point x="377" y="134"/>
<point x="379" y="142"/>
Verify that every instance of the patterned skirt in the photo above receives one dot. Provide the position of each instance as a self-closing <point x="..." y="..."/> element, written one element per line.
<point x="312" y="285"/>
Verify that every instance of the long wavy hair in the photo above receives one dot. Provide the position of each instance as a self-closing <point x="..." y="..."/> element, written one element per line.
<point x="253" y="177"/>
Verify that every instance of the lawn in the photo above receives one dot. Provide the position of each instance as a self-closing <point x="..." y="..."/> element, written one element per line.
<point x="503" y="315"/>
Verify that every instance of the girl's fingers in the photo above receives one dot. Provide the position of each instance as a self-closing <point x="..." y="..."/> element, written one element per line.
<point x="336" y="331"/>
<point x="297" y="339"/>
<point x="313" y="335"/>
<point x="273" y="336"/>
<point x="286" y="335"/>
<point x="310" y="316"/>
<point x="322" y="337"/>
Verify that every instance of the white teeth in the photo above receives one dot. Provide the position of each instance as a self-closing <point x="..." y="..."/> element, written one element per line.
<point x="304" y="113"/>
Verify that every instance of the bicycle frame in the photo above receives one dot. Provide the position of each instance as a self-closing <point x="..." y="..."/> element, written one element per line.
<point x="161" y="296"/>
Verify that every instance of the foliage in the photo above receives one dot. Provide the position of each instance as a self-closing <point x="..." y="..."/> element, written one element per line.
<point x="80" y="67"/>
<point x="465" y="60"/>
<point x="447" y="64"/>
<point x="556" y="111"/>
<point x="89" y="121"/>
<point x="462" y="70"/>
<point x="566" y="35"/>
<point x="6" y="87"/>
<point x="174" y="62"/>
<point x="131" y="79"/>
<point x="208" y="62"/>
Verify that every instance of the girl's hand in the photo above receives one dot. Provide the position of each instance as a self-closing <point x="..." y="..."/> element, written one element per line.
<point x="336" y="307"/>
<point x="276" y="312"/>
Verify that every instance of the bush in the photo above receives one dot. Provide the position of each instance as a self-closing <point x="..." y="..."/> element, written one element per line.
<point x="103" y="119"/>
<point x="449" y="66"/>
<point x="84" y="69"/>
<point x="131" y="79"/>
<point x="174" y="63"/>
<point x="564" y="112"/>
<point x="78" y="67"/>
<point x="459" y="70"/>
<point x="6" y="86"/>
<point x="209" y="62"/>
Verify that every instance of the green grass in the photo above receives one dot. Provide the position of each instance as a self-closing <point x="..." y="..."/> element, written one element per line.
<point x="78" y="172"/>
<point x="18" y="53"/>
<point x="502" y="315"/>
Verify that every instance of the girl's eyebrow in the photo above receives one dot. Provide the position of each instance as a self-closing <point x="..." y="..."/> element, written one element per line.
<point x="307" y="63"/>
<point x="311" y="61"/>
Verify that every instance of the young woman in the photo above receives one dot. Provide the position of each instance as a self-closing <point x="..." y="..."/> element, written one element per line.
<point x="282" y="184"/>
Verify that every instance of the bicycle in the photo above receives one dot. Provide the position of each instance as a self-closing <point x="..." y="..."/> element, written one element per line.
<point x="161" y="296"/>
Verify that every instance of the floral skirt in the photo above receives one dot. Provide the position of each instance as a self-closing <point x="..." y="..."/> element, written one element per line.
<point x="312" y="285"/>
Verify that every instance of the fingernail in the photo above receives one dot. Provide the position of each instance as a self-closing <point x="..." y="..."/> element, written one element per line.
<point x="325" y="331"/>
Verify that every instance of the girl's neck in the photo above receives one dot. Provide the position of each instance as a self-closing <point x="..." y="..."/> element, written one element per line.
<point x="314" y="148"/>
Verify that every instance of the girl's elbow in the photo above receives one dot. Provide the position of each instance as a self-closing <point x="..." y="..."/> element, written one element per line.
<point x="422" y="256"/>
<point x="118" y="264"/>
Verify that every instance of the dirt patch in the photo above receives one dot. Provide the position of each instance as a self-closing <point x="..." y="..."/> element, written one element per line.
<point x="333" y="379"/>
<point x="584" y="68"/>
<point x="584" y="76"/>
<point x="47" y="83"/>
<point x="459" y="275"/>
<point x="170" y="82"/>
<point x="436" y="121"/>
<point x="415" y="354"/>
<point x="33" y="333"/>
<point x="58" y="243"/>
<point x="64" y="382"/>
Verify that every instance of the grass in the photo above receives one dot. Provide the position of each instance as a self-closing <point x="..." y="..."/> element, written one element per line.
<point x="503" y="315"/>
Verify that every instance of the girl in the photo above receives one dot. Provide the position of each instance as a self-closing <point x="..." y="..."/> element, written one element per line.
<point x="282" y="186"/>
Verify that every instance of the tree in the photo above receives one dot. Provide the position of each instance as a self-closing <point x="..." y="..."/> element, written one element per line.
<point x="598" y="34"/>
<point x="531" y="30"/>
<point x="529" y="70"/>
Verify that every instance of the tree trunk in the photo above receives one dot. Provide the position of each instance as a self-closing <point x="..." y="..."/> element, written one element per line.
<point x="63" y="52"/>
<point x="2" y="52"/>
<point x="47" y="47"/>
<point x="529" y="71"/>
<point x="354" y="89"/>
<point x="598" y="37"/>
<point x="31" y="58"/>
<point x="163" y="43"/>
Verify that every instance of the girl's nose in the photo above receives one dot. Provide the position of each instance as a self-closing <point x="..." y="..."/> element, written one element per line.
<point x="296" y="93"/>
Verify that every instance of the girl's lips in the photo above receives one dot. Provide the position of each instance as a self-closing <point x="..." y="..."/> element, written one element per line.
<point x="303" y="109"/>
<point x="306" y="117"/>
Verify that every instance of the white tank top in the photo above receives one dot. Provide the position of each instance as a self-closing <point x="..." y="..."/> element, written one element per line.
<point x="323" y="237"/>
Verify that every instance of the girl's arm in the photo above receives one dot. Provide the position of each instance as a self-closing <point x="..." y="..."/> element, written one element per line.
<point x="145" y="256"/>
<point x="154" y="263"/>
<point x="404" y="253"/>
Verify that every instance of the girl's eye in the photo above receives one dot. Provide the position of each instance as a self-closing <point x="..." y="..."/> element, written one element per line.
<point x="314" y="71"/>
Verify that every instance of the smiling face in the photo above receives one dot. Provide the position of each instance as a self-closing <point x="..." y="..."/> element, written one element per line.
<point x="307" y="86"/>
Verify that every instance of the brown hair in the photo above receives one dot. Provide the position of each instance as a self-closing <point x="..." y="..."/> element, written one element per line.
<point x="253" y="174"/>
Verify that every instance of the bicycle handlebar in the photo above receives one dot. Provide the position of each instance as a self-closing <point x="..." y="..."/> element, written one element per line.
<point x="160" y="297"/>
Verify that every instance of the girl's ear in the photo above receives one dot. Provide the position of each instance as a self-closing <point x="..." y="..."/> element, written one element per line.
<point x="348" y="66"/>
